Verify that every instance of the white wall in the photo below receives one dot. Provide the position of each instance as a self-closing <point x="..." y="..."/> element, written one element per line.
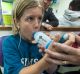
<point x="60" y="7"/>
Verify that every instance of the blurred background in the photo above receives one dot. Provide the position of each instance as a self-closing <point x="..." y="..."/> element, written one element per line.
<point x="6" y="10"/>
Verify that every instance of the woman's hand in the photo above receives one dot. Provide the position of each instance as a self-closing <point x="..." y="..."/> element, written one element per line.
<point x="62" y="58"/>
<point x="71" y="55"/>
<point x="65" y="54"/>
<point x="47" y="26"/>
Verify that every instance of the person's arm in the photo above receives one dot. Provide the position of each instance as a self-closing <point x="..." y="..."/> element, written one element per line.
<point x="52" y="20"/>
<point x="14" y="64"/>
<point x="36" y="68"/>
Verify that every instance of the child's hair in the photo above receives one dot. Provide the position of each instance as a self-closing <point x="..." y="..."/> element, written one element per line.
<point x="74" y="5"/>
<point x="20" y="5"/>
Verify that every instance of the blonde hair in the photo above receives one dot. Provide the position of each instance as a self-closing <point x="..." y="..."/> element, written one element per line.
<point x="20" y="5"/>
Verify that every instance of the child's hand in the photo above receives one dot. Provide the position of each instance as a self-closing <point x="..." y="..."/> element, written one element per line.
<point x="71" y="39"/>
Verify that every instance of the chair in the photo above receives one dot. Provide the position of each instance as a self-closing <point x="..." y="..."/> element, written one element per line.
<point x="1" y="51"/>
<point x="0" y="71"/>
<point x="1" y="54"/>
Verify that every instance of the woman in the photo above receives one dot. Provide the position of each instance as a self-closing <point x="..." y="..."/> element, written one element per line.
<point x="49" y="20"/>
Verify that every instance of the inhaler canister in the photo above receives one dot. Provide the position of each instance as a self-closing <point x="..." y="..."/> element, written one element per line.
<point x="63" y="38"/>
<point x="42" y="39"/>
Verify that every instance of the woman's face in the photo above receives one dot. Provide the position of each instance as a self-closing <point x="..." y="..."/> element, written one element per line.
<point x="30" y="22"/>
<point x="47" y="3"/>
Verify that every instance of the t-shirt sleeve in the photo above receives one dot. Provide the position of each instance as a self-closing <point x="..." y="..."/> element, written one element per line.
<point x="12" y="60"/>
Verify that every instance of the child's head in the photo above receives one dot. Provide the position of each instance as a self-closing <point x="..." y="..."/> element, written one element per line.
<point x="74" y="5"/>
<point x="27" y="16"/>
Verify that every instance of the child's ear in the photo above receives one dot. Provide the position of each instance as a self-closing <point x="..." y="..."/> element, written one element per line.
<point x="16" y="23"/>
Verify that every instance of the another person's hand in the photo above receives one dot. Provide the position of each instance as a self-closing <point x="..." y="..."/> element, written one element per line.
<point x="47" y="26"/>
<point x="71" y="55"/>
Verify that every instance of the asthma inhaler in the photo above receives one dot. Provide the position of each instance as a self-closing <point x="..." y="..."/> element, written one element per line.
<point x="63" y="38"/>
<point x="43" y="39"/>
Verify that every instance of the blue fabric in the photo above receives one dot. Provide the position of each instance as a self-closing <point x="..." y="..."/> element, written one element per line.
<point x="18" y="54"/>
<point x="0" y="50"/>
<point x="1" y="54"/>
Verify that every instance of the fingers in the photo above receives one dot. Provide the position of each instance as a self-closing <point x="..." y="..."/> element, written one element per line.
<point x="54" y="58"/>
<point x="34" y="42"/>
<point x="71" y="39"/>
<point x="67" y="49"/>
<point x="78" y="39"/>
<point x="41" y="48"/>
<point x="60" y="58"/>
<point x="48" y="27"/>
<point x="54" y="61"/>
<point x="56" y="37"/>
<point x="57" y="55"/>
